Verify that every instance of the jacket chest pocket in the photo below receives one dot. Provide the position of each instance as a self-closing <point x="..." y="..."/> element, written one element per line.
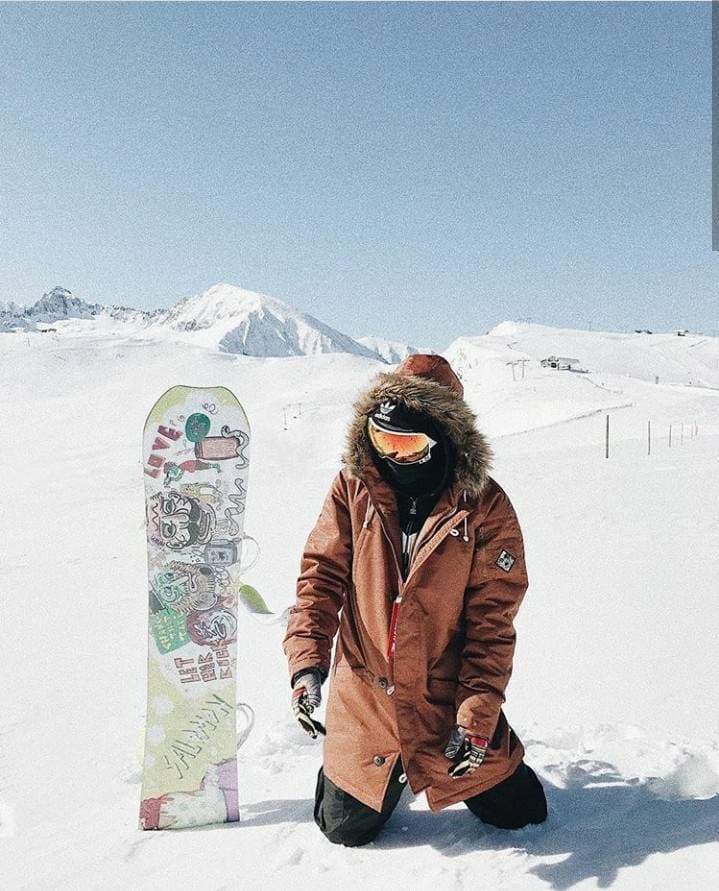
<point x="451" y="556"/>
<point x="442" y="581"/>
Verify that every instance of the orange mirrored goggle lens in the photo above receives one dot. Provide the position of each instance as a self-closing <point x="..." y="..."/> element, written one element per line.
<point x="401" y="447"/>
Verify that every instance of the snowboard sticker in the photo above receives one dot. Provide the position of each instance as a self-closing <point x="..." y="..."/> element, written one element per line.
<point x="196" y="464"/>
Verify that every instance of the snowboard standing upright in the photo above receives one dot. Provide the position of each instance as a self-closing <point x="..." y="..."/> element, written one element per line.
<point x="196" y="457"/>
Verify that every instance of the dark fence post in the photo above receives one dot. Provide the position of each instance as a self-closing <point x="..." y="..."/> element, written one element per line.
<point x="606" y="440"/>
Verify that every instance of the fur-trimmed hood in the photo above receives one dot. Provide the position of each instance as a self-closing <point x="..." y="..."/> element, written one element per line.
<point x="424" y="383"/>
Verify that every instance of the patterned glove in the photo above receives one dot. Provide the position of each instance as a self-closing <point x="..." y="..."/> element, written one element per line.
<point x="466" y="750"/>
<point x="306" y="696"/>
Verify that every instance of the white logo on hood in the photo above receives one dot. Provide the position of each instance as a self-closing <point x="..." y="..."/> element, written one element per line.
<point x="385" y="409"/>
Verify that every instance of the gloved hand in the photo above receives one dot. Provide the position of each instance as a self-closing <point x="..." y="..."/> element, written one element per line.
<point x="466" y="750"/>
<point x="306" y="696"/>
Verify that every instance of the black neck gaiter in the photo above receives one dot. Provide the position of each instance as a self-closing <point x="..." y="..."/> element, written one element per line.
<point x="418" y="480"/>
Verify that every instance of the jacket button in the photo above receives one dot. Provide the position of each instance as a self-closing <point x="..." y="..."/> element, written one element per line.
<point x="382" y="682"/>
<point x="379" y="760"/>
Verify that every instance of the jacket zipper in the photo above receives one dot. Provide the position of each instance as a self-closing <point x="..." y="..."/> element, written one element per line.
<point x="395" y="605"/>
<point x="436" y="529"/>
<point x="394" y="618"/>
<point x="393" y="638"/>
<point x="405" y="543"/>
<point x="392" y="642"/>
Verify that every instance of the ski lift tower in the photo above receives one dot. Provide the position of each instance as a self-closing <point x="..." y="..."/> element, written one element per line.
<point x="514" y="363"/>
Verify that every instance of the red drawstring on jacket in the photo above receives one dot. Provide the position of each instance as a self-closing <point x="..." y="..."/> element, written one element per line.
<point x="393" y="632"/>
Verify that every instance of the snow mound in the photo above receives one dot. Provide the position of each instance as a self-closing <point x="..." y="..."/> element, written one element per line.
<point x="695" y="776"/>
<point x="507" y="328"/>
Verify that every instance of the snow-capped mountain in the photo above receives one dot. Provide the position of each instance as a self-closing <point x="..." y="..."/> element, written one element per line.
<point x="392" y="351"/>
<point x="13" y="318"/>
<point x="60" y="304"/>
<point x="239" y="321"/>
<point x="54" y="305"/>
<point x="225" y="317"/>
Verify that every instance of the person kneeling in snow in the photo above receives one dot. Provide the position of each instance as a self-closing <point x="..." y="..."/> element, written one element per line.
<point x="417" y="558"/>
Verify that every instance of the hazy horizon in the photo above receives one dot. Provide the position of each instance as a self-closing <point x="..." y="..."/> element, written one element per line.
<point x="436" y="347"/>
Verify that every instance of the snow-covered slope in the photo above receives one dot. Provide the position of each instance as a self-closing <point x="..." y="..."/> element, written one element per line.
<point x="615" y="677"/>
<point x="691" y="359"/>
<point x="392" y="351"/>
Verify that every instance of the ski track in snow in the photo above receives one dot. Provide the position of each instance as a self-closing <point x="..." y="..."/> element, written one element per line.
<point x="614" y="686"/>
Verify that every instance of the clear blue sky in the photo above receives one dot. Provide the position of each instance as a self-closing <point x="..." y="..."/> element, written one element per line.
<point x="417" y="171"/>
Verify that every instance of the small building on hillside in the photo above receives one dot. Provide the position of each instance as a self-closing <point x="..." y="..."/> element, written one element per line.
<point x="561" y="362"/>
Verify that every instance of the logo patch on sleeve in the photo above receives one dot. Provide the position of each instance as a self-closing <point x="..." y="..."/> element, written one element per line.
<point x="505" y="560"/>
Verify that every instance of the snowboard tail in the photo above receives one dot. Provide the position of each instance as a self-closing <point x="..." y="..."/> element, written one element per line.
<point x="196" y="464"/>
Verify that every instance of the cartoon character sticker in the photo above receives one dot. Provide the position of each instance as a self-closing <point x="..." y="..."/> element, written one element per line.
<point x="178" y="521"/>
<point x="185" y="586"/>
<point x="214" y="627"/>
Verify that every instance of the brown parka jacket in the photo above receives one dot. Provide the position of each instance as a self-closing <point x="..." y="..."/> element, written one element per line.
<point x="455" y="636"/>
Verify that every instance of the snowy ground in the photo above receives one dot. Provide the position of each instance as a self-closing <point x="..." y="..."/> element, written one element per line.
<point x="615" y="679"/>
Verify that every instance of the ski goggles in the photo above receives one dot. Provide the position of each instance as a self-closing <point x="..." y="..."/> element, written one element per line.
<point x="403" y="448"/>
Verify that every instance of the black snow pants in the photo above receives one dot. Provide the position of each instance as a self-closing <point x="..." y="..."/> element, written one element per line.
<point x="511" y="804"/>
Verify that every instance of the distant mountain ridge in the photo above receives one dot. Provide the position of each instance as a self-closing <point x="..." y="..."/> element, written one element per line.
<point x="233" y="320"/>
<point x="225" y="317"/>
<point x="58" y="305"/>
